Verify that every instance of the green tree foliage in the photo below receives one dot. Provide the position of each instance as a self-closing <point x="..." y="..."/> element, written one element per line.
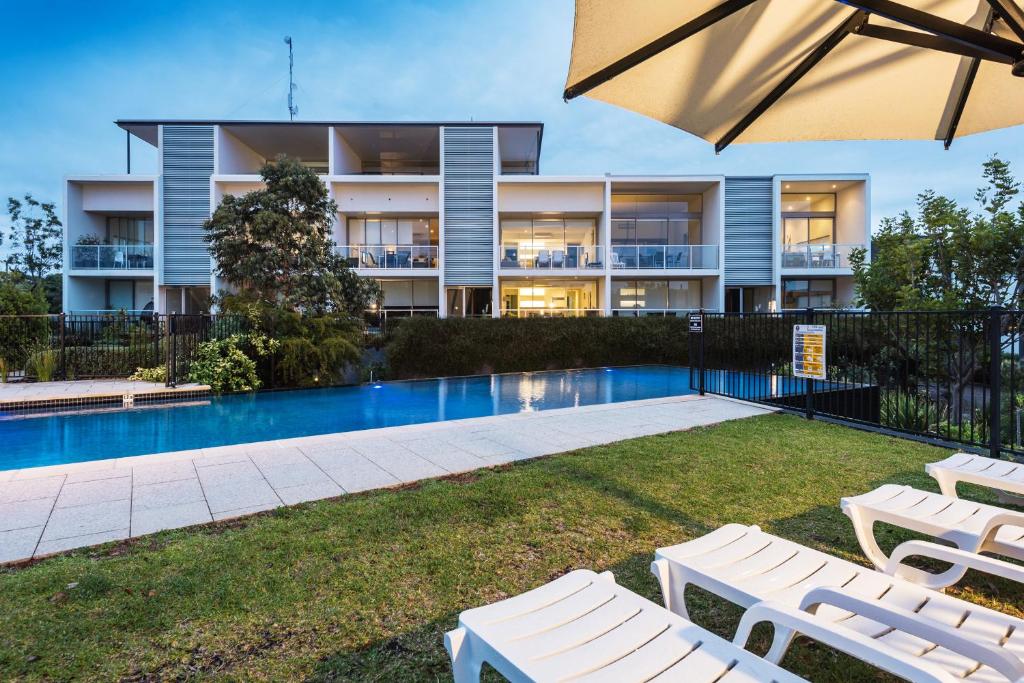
<point x="274" y="245"/>
<point x="19" y="335"/>
<point x="947" y="256"/>
<point x="36" y="246"/>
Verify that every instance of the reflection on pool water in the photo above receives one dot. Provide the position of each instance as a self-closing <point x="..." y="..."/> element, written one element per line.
<point x="54" y="439"/>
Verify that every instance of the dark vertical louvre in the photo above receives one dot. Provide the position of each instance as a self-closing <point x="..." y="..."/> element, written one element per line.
<point x="187" y="165"/>
<point x="468" y="168"/>
<point x="748" y="231"/>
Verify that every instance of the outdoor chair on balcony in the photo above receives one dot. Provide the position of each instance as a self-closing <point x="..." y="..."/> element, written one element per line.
<point x="585" y="626"/>
<point x="747" y="566"/>
<point x="367" y="259"/>
<point x="511" y="258"/>
<point x="543" y="259"/>
<point x="402" y="259"/>
<point x="971" y="527"/>
<point x="617" y="260"/>
<point x="557" y="258"/>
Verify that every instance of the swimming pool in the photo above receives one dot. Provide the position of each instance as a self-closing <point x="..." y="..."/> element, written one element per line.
<point x="58" y="439"/>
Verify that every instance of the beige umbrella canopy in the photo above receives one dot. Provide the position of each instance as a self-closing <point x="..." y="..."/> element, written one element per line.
<point x="784" y="70"/>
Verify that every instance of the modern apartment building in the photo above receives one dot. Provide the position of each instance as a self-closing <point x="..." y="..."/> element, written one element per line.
<point x="454" y="219"/>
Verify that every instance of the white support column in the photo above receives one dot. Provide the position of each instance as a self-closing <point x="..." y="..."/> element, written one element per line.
<point x="606" y="242"/>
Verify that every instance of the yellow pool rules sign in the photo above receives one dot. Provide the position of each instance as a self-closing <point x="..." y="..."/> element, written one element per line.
<point x="809" y="351"/>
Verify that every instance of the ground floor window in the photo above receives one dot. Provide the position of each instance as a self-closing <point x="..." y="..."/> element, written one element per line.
<point x="187" y="300"/>
<point x="410" y="295"/>
<point x="808" y="293"/>
<point x="526" y="298"/>
<point x="749" y="299"/>
<point x="656" y="295"/>
<point x="128" y="295"/>
<point x="468" y="302"/>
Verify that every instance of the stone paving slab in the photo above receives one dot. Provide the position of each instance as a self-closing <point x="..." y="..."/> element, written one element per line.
<point x="45" y="510"/>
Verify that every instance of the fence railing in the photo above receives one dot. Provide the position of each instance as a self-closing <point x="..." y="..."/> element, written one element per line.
<point x="390" y="257"/>
<point x="664" y="256"/>
<point x="949" y="376"/>
<point x="112" y="257"/>
<point x="811" y="256"/>
<point x="76" y="346"/>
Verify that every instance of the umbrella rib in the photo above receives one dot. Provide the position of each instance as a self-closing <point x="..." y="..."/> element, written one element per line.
<point x="1011" y="14"/>
<point x="930" y="42"/>
<point x="965" y="91"/>
<point x="833" y="39"/>
<point x="678" y="35"/>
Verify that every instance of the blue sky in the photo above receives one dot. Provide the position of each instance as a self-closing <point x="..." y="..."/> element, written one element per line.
<point x="70" y="69"/>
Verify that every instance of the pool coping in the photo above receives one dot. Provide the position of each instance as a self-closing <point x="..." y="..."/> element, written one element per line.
<point x="126" y="394"/>
<point x="51" y="509"/>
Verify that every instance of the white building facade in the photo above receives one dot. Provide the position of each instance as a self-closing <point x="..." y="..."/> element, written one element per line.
<point x="454" y="219"/>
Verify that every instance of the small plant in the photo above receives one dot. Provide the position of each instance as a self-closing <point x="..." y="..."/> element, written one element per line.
<point x="223" y="366"/>
<point x="43" y="364"/>
<point x="89" y="239"/>
<point x="911" y="412"/>
<point x="157" y="374"/>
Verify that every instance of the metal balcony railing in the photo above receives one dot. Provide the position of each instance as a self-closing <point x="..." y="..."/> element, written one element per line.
<point x="112" y="257"/>
<point x="817" y="255"/>
<point x="561" y="257"/>
<point x="664" y="256"/>
<point x="390" y="257"/>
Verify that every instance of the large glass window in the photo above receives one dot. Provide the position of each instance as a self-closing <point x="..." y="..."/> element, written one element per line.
<point x="410" y="294"/>
<point x="127" y="230"/>
<point x="808" y="293"/>
<point x="526" y="298"/>
<point x="808" y="219"/>
<point x="405" y="231"/>
<point x="656" y="295"/>
<point x="656" y="219"/>
<point x="549" y="242"/>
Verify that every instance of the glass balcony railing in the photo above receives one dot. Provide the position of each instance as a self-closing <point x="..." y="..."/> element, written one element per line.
<point x="112" y="257"/>
<point x="655" y="312"/>
<point x="551" y="312"/>
<point x="664" y="256"/>
<point x="390" y="257"/>
<point x="812" y="256"/>
<point x="562" y="257"/>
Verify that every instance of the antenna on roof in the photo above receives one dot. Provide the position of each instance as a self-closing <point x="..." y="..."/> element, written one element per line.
<point x="292" y="109"/>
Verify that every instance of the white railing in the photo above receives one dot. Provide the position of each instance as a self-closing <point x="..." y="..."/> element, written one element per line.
<point x="551" y="312"/>
<point x="817" y="255"/>
<point x="112" y="257"/>
<point x="656" y="312"/>
<point x="664" y="256"/>
<point x="389" y="257"/>
<point x="561" y="257"/>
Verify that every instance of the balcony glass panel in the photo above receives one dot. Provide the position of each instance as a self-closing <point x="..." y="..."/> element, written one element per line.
<point x="391" y="243"/>
<point x="664" y="256"/>
<point x="817" y="255"/>
<point x="111" y="257"/>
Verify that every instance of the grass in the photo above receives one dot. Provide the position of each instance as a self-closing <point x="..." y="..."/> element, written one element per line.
<point x="363" y="587"/>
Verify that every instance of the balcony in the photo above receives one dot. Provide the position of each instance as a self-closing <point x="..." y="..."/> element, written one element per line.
<point x="390" y="257"/>
<point x="817" y="256"/>
<point x="549" y="258"/>
<point x="551" y="312"/>
<point x="112" y="257"/>
<point x="652" y="312"/>
<point x="665" y="256"/>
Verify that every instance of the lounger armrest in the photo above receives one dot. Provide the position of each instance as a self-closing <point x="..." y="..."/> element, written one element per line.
<point x="989" y="565"/>
<point x="909" y="622"/>
<point x="840" y="638"/>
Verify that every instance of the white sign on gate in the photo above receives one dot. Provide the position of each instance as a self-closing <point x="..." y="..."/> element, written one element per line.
<point x="809" y="351"/>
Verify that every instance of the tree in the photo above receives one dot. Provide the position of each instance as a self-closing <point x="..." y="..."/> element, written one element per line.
<point x="274" y="245"/>
<point x="36" y="242"/>
<point x="948" y="257"/>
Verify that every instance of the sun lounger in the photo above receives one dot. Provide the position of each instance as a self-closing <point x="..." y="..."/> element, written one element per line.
<point x="1005" y="477"/>
<point x="971" y="527"/>
<point x="585" y="627"/>
<point x="748" y="566"/>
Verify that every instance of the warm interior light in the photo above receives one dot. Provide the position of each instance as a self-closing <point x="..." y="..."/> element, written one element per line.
<point x="787" y="187"/>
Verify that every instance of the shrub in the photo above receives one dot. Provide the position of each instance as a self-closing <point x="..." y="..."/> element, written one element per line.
<point x="43" y="364"/>
<point x="223" y="365"/>
<point x="912" y="412"/>
<point x="107" y="361"/>
<point x="3" y="371"/>
<point x="19" y="335"/>
<point x="431" y="347"/>
<point x="157" y="374"/>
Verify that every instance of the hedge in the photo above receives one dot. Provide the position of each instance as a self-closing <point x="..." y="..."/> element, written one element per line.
<point x="432" y="347"/>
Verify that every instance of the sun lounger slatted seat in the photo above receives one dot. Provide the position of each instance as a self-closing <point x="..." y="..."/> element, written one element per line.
<point x="1005" y="477"/>
<point x="747" y="566"/>
<point x="585" y="627"/>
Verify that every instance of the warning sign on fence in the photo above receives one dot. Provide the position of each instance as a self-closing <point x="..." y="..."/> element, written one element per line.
<point x="809" y="351"/>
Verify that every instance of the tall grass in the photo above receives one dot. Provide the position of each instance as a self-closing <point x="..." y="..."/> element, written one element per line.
<point x="44" y="364"/>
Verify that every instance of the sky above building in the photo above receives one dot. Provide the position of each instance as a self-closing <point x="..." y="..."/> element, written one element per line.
<point x="71" y="68"/>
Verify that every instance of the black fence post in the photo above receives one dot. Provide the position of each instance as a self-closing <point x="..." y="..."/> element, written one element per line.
<point x="809" y="383"/>
<point x="995" y="413"/>
<point x="63" y="354"/>
<point x="700" y="353"/>
<point x="168" y="323"/>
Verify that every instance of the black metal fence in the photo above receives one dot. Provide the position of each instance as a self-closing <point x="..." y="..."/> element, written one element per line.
<point x="943" y="376"/>
<point x="71" y="346"/>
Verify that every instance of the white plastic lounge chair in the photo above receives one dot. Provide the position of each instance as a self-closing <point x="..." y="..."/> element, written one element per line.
<point x="747" y="566"/>
<point x="1005" y="477"/>
<point x="971" y="527"/>
<point x="583" y="626"/>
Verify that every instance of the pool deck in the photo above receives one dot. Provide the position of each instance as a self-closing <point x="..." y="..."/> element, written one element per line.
<point x="19" y="394"/>
<point x="45" y="510"/>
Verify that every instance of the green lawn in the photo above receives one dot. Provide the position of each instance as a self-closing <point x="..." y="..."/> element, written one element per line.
<point x="363" y="587"/>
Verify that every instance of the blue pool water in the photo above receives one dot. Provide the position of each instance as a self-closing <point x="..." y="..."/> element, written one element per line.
<point x="54" y="439"/>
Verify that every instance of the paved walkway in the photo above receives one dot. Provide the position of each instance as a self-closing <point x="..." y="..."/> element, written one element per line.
<point x="17" y="392"/>
<point x="45" y="510"/>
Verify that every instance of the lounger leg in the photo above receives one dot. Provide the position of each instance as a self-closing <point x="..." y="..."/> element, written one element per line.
<point x="947" y="484"/>
<point x="465" y="668"/>
<point x="780" y="643"/>
<point x="864" y="529"/>
<point x="673" y="593"/>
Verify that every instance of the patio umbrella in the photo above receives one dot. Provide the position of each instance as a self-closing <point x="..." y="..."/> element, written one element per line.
<point x="784" y="70"/>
